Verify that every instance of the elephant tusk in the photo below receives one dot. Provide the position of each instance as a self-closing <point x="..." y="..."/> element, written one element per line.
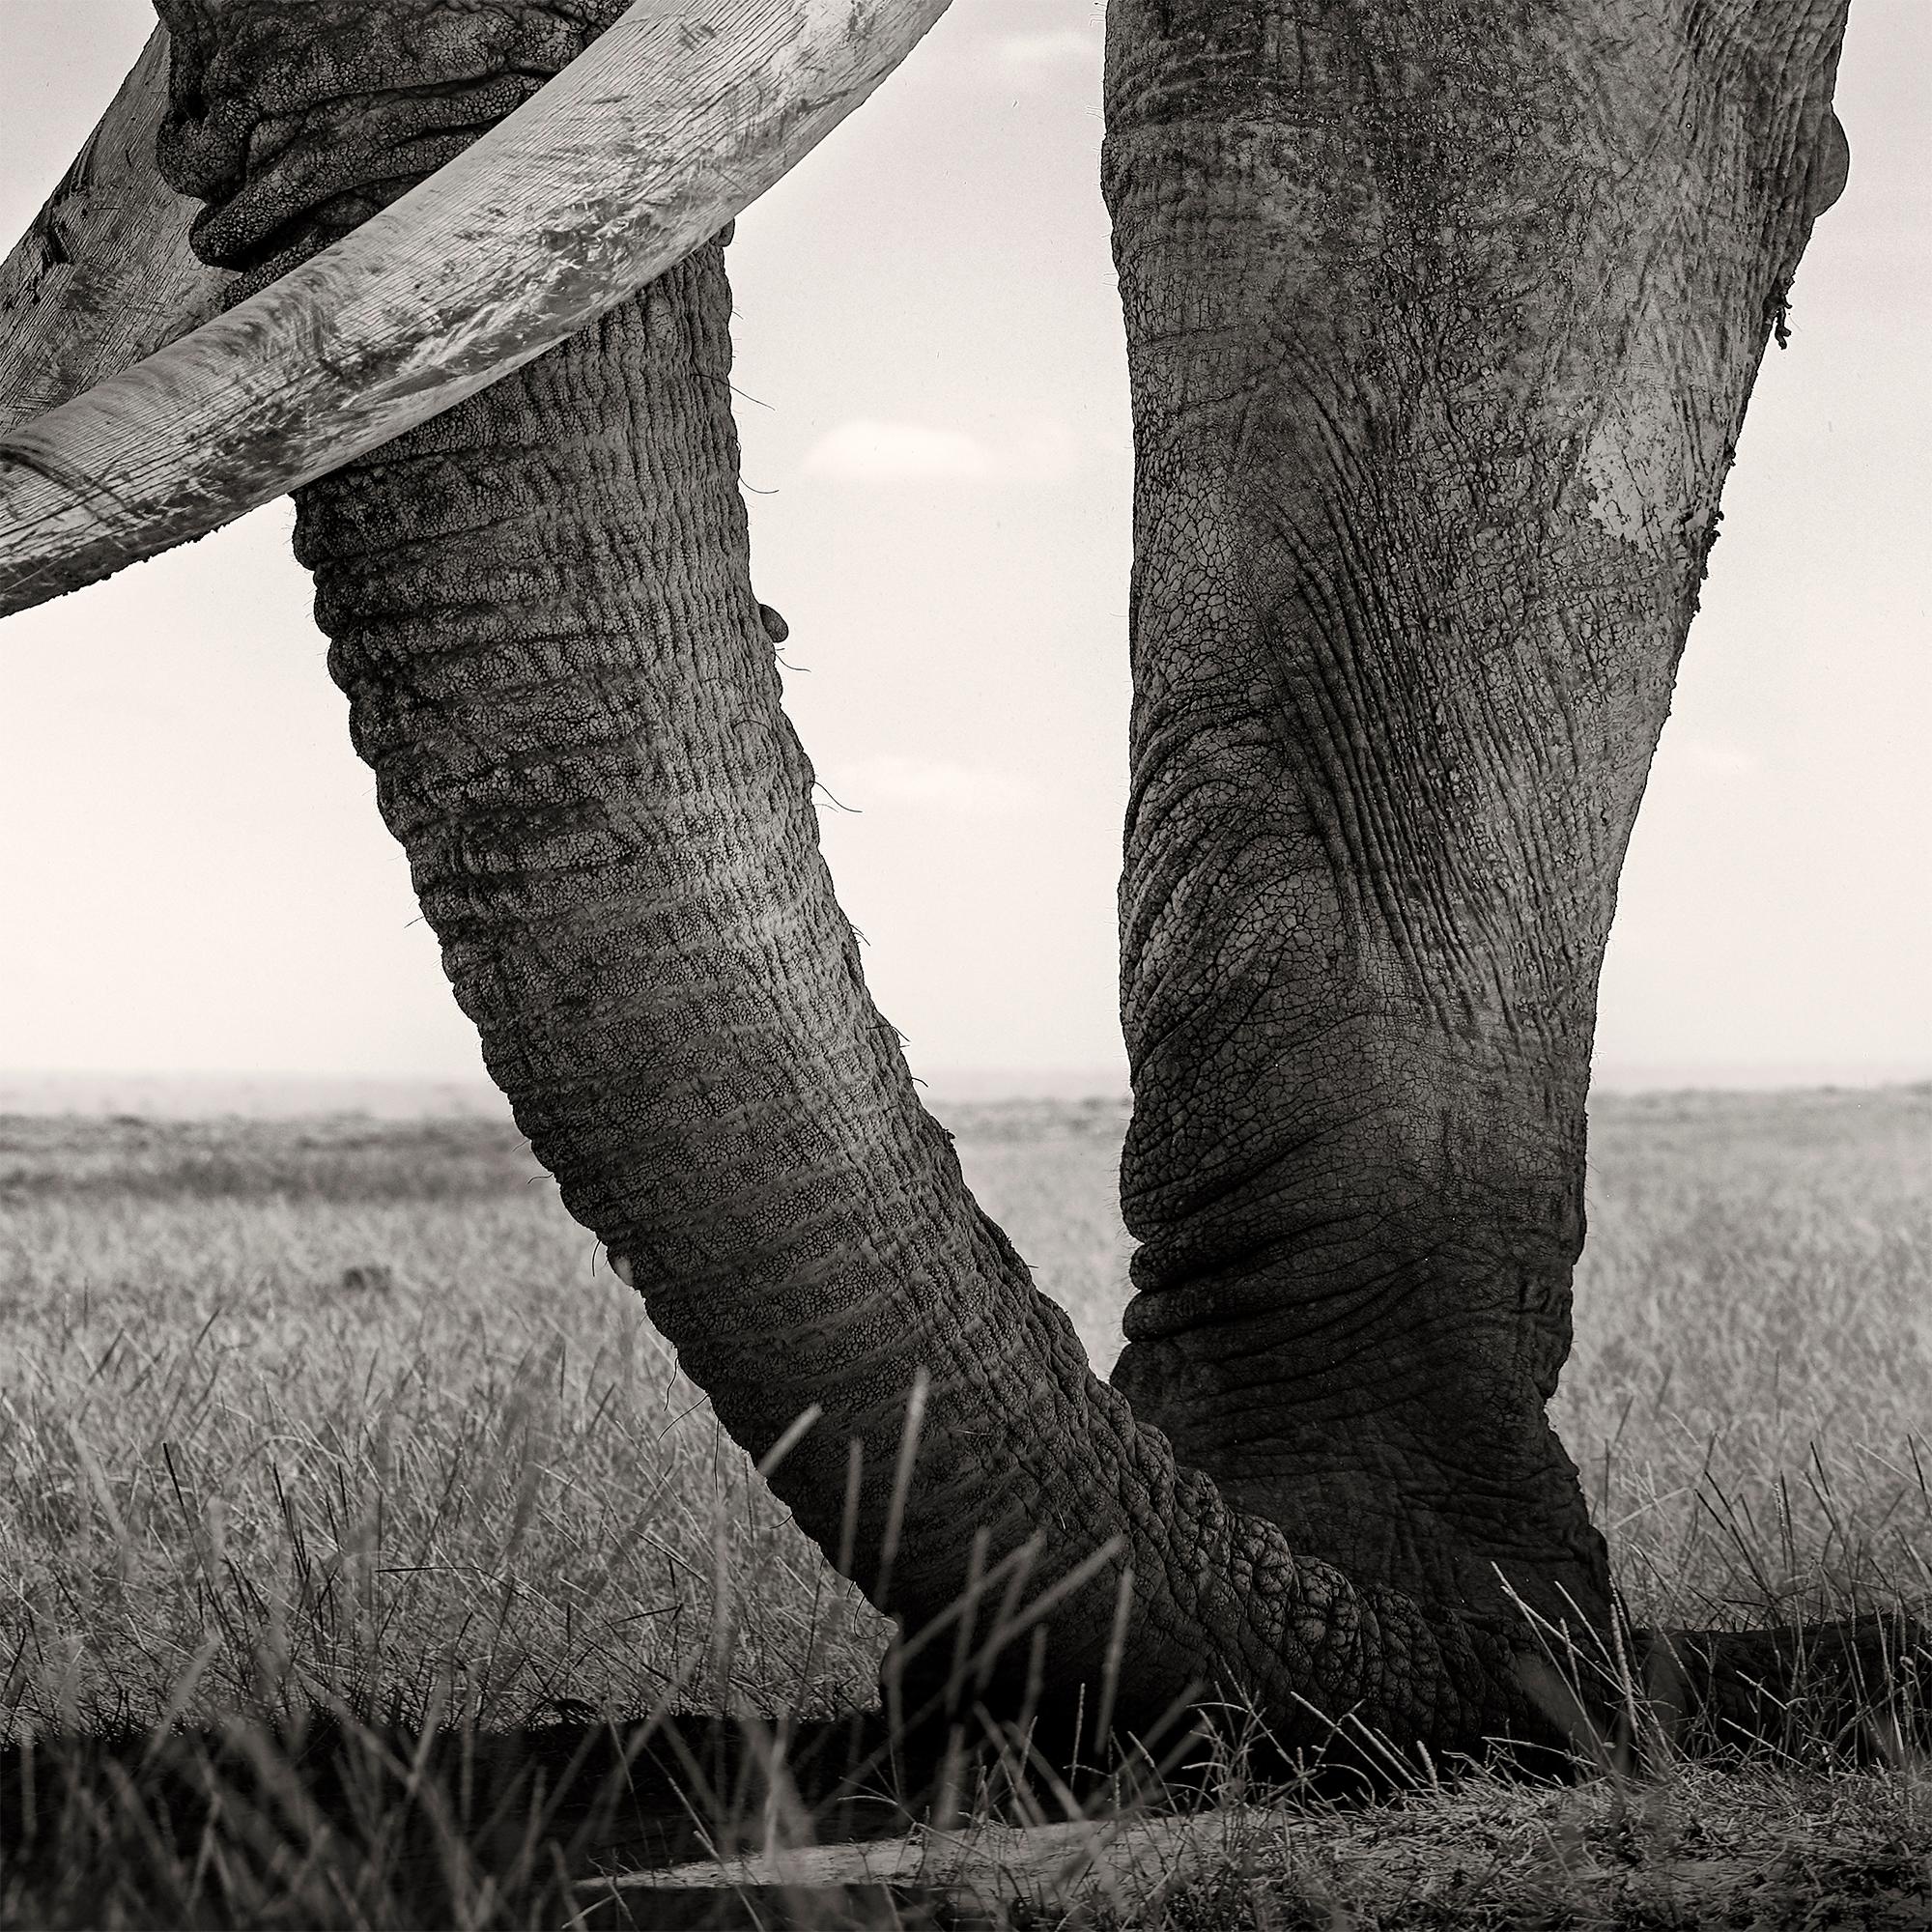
<point x="680" y="115"/>
<point x="104" y="276"/>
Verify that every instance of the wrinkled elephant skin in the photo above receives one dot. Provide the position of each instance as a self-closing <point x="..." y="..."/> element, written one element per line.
<point x="1441" y="321"/>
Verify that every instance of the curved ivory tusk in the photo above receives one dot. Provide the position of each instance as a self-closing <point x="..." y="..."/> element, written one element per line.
<point x="667" y="125"/>
<point x="104" y="275"/>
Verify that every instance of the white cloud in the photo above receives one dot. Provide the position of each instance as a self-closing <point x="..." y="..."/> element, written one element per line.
<point x="1058" y="48"/>
<point x="866" y="450"/>
<point x="977" y="791"/>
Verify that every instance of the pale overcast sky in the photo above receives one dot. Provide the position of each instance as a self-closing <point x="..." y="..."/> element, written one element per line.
<point x="193" y="875"/>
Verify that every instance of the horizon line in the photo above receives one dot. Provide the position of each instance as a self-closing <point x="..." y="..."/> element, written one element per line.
<point x="187" y="1093"/>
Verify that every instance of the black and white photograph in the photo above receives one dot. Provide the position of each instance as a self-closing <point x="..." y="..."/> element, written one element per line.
<point x="966" y="965"/>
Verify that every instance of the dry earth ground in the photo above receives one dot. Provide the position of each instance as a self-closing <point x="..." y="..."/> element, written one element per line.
<point x="350" y="1407"/>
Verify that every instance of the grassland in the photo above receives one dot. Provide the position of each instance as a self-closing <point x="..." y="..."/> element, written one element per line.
<point x="337" y="1408"/>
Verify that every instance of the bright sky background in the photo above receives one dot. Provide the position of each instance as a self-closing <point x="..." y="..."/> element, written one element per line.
<point x="193" y="876"/>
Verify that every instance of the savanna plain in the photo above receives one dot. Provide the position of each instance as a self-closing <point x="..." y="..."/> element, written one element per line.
<point x="340" y="1414"/>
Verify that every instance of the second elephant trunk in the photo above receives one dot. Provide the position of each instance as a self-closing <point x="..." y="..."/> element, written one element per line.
<point x="1441" y="321"/>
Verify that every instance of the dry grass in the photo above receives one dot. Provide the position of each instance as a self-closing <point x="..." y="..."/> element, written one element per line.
<point x="328" y="1408"/>
<point x="1750" y="1394"/>
<point x="342" y="1406"/>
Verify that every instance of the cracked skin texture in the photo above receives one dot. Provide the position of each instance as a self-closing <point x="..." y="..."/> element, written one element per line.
<point x="1441" y="321"/>
<point x="1403" y="628"/>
